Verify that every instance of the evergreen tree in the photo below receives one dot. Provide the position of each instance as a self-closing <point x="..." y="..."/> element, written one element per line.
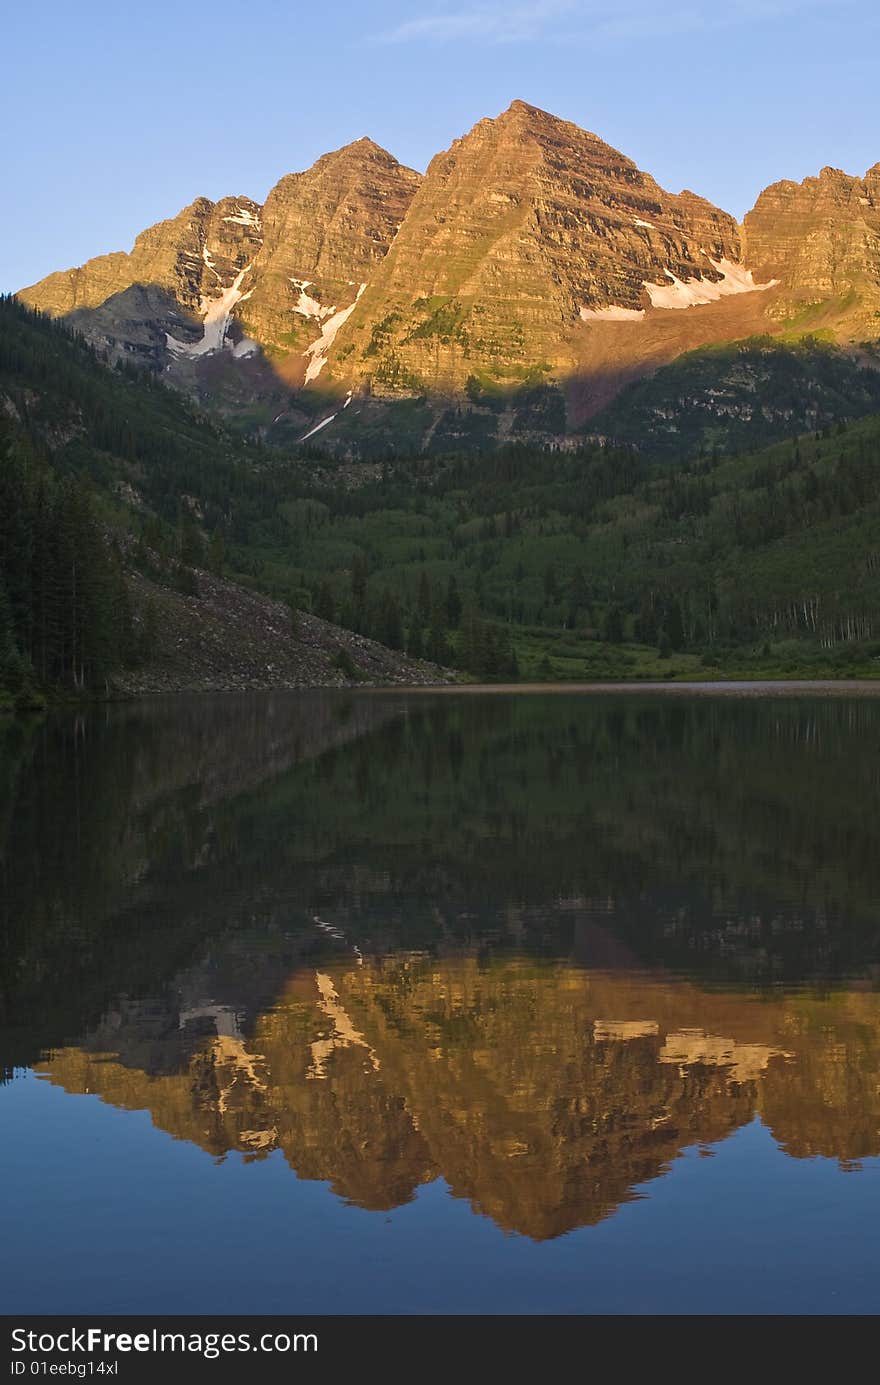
<point x="438" y="649"/>
<point x="612" y="630"/>
<point x="424" y="598"/>
<point x="325" y="605"/>
<point x="190" y="549"/>
<point x="359" y="582"/>
<point x="390" y="622"/>
<point x="674" y="625"/>
<point x="646" y="621"/>
<point x="217" y="553"/>
<point x="453" y="603"/>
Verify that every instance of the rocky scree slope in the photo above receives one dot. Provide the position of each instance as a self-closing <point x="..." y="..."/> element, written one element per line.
<point x="226" y="638"/>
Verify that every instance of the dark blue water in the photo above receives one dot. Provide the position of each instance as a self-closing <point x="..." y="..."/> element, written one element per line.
<point x="389" y="1004"/>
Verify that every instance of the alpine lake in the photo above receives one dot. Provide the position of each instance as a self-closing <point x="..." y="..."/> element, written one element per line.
<point x="496" y="1002"/>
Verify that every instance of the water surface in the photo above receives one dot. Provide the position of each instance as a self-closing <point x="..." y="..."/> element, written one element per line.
<point x="414" y="1003"/>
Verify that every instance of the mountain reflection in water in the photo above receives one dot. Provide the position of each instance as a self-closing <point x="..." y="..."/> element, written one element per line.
<point x="542" y="1093"/>
<point x="533" y="946"/>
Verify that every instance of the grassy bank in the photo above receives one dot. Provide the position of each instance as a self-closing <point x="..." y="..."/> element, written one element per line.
<point x="563" y="656"/>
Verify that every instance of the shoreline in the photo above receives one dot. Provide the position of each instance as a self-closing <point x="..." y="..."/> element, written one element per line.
<point x="740" y="688"/>
<point x="730" y="688"/>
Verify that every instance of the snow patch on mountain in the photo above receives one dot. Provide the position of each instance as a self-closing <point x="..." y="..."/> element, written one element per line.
<point x="612" y="313"/>
<point x="306" y="305"/>
<point x="638" y="222"/>
<point x="244" y="217"/>
<point x="317" y="428"/>
<point x="216" y="314"/>
<point x="246" y="347"/>
<point x="318" y="349"/>
<point x="324" y="421"/>
<point x="690" y="293"/>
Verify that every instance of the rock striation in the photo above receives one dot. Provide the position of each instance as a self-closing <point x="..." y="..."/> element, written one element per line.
<point x="239" y="276"/>
<point x="176" y="265"/>
<point x="520" y="231"/>
<point x="531" y="254"/>
<point x="821" y="240"/>
<point x="325" y="231"/>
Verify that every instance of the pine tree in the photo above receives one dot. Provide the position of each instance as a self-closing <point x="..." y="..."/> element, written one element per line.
<point x="453" y="603"/>
<point x="7" y="641"/>
<point x="190" y="549"/>
<point x="674" y="625"/>
<point x="424" y="598"/>
<point x="612" y="631"/>
<point x="217" y="553"/>
<point x="325" y="605"/>
<point x="391" y="624"/>
<point x="359" y="581"/>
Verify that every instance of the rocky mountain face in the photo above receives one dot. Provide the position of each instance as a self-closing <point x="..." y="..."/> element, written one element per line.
<point x="531" y="255"/>
<point x="325" y="232"/>
<point x="177" y="271"/>
<point x="821" y="240"/>
<point x="287" y="273"/>
<point x="521" y="231"/>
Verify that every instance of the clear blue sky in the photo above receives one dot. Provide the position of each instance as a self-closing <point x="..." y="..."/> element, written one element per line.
<point x="117" y="114"/>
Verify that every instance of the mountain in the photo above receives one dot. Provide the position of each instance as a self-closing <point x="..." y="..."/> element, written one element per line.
<point x="515" y="290"/>
<point x="737" y="396"/>
<point x="820" y="239"/>
<point x="540" y="1141"/>
<point x="520" y="233"/>
<point x="366" y="1078"/>
<point x="666" y="555"/>
<point x="235" y="301"/>
<point x="324" y="233"/>
<point x="121" y="514"/>
<point x="133" y="303"/>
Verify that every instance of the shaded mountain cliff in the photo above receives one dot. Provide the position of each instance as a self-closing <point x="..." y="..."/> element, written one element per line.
<point x="196" y="285"/>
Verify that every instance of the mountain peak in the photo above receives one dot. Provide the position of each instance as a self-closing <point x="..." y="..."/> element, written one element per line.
<point x="819" y="238"/>
<point x="353" y="159"/>
<point x="521" y="231"/>
<point x="523" y="108"/>
<point x="359" y="151"/>
<point x="524" y="116"/>
<point x="508" y="259"/>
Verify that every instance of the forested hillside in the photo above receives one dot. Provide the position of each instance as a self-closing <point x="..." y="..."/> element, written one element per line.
<point x="118" y="503"/>
<point x="742" y="396"/>
<point x="763" y="562"/>
<point x="65" y="617"/>
<point x="82" y="448"/>
<point x="599" y="561"/>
